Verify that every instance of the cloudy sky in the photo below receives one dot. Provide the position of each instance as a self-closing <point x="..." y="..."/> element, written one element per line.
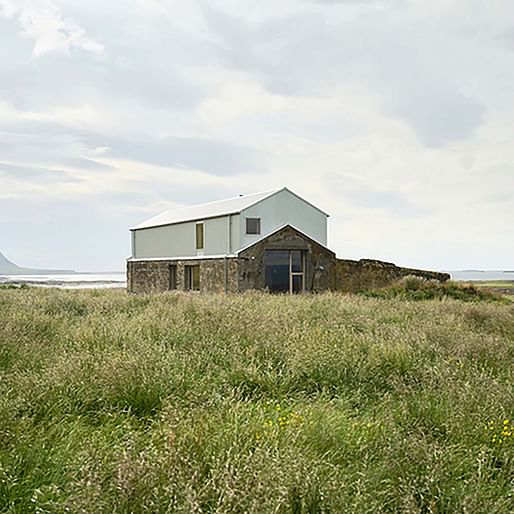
<point x="395" y="116"/>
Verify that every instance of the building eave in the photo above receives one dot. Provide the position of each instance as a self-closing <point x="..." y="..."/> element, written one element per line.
<point x="184" y="258"/>
<point x="219" y="214"/>
<point x="229" y="212"/>
<point x="192" y="220"/>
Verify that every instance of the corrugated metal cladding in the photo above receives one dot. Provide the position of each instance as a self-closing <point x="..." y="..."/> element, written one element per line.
<point x="173" y="233"/>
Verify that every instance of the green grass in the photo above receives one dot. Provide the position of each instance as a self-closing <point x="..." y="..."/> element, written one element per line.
<point x="254" y="403"/>
<point x="415" y="288"/>
<point x="503" y="287"/>
<point x="507" y="284"/>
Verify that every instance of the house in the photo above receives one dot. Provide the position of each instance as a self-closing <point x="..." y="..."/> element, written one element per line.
<point x="274" y="241"/>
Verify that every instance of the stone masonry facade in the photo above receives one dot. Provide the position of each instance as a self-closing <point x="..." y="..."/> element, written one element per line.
<point x="323" y="271"/>
<point x="319" y="261"/>
<point x="153" y="276"/>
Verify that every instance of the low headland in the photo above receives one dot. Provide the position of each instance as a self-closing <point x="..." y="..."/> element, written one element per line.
<point x="7" y="267"/>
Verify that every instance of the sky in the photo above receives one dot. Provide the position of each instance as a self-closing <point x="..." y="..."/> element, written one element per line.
<point x="394" y="116"/>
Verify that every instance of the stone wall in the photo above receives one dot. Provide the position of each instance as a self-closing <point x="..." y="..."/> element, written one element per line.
<point x="212" y="275"/>
<point x="352" y="276"/>
<point x="319" y="261"/>
<point x="147" y="276"/>
<point x="323" y="272"/>
<point x="155" y="276"/>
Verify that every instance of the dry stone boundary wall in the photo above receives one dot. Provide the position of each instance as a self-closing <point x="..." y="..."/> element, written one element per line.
<point x="365" y="274"/>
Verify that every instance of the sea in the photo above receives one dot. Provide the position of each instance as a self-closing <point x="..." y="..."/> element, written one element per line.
<point x="70" y="281"/>
<point x="474" y="275"/>
<point x="119" y="280"/>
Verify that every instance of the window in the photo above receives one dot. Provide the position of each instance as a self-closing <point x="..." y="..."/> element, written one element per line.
<point x="253" y="225"/>
<point x="297" y="265"/>
<point x="199" y="236"/>
<point x="276" y="266"/>
<point x="284" y="271"/>
<point x="192" y="277"/>
<point x="172" y="277"/>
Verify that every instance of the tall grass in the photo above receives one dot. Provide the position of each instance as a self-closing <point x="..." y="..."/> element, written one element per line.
<point x="254" y="403"/>
<point x="416" y="288"/>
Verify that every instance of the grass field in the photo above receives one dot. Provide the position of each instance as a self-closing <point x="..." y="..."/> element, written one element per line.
<point x="254" y="403"/>
<point x="502" y="286"/>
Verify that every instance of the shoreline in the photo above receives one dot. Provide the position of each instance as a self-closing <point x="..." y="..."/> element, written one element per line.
<point x="504" y="286"/>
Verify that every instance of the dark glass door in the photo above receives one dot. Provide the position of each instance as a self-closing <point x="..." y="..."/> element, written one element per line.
<point x="284" y="270"/>
<point x="276" y="264"/>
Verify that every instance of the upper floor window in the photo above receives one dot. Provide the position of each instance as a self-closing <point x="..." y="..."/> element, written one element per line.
<point x="253" y="225"/>
<point x="199" y="236"/>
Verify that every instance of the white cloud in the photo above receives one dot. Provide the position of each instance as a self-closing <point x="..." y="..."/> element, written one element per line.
<point x="49" y="29"/>
<point x="395" y="116"/>
<point x="7" y="8"/>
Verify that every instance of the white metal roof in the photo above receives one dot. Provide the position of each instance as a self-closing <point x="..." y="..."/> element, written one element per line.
<point x="206" y="210"/>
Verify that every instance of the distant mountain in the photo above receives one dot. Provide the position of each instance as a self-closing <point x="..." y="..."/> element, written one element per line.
<point x="9" y="268"/>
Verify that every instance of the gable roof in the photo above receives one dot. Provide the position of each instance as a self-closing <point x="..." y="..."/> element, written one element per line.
<point x="212" y="209"/>
<point x="206" y="210"/>
<point x="282" y="227"/>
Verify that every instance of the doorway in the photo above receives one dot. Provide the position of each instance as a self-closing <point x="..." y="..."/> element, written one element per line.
<point x="284" y="271"/>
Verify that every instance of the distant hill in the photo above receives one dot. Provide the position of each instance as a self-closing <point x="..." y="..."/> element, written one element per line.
<point x="9" y="268"/>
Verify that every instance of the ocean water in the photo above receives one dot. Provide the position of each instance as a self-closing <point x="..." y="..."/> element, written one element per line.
<point x="71" y="281"/>
<point x="473" y="275"/>
<point x="113" y="280"/>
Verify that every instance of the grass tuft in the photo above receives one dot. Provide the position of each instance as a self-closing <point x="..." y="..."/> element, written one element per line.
<point x="416" y="288"/>
<point x="256" y="403"/>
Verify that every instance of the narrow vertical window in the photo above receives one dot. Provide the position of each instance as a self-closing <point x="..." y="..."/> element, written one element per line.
<point x="196" y="278"/>
<point x="192" y="277"/>
<point x="253" y="225"/>
<point x="297" y="266"/>
<point x="172" y="277"/>
<point x="199" y="236"/>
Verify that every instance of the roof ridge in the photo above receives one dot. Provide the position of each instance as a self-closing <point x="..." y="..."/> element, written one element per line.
<point x="271" y="191"/>
<point x="233" y="205"/>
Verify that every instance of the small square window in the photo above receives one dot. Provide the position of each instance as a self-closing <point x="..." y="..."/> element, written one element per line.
<point x="253" y="225"/>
